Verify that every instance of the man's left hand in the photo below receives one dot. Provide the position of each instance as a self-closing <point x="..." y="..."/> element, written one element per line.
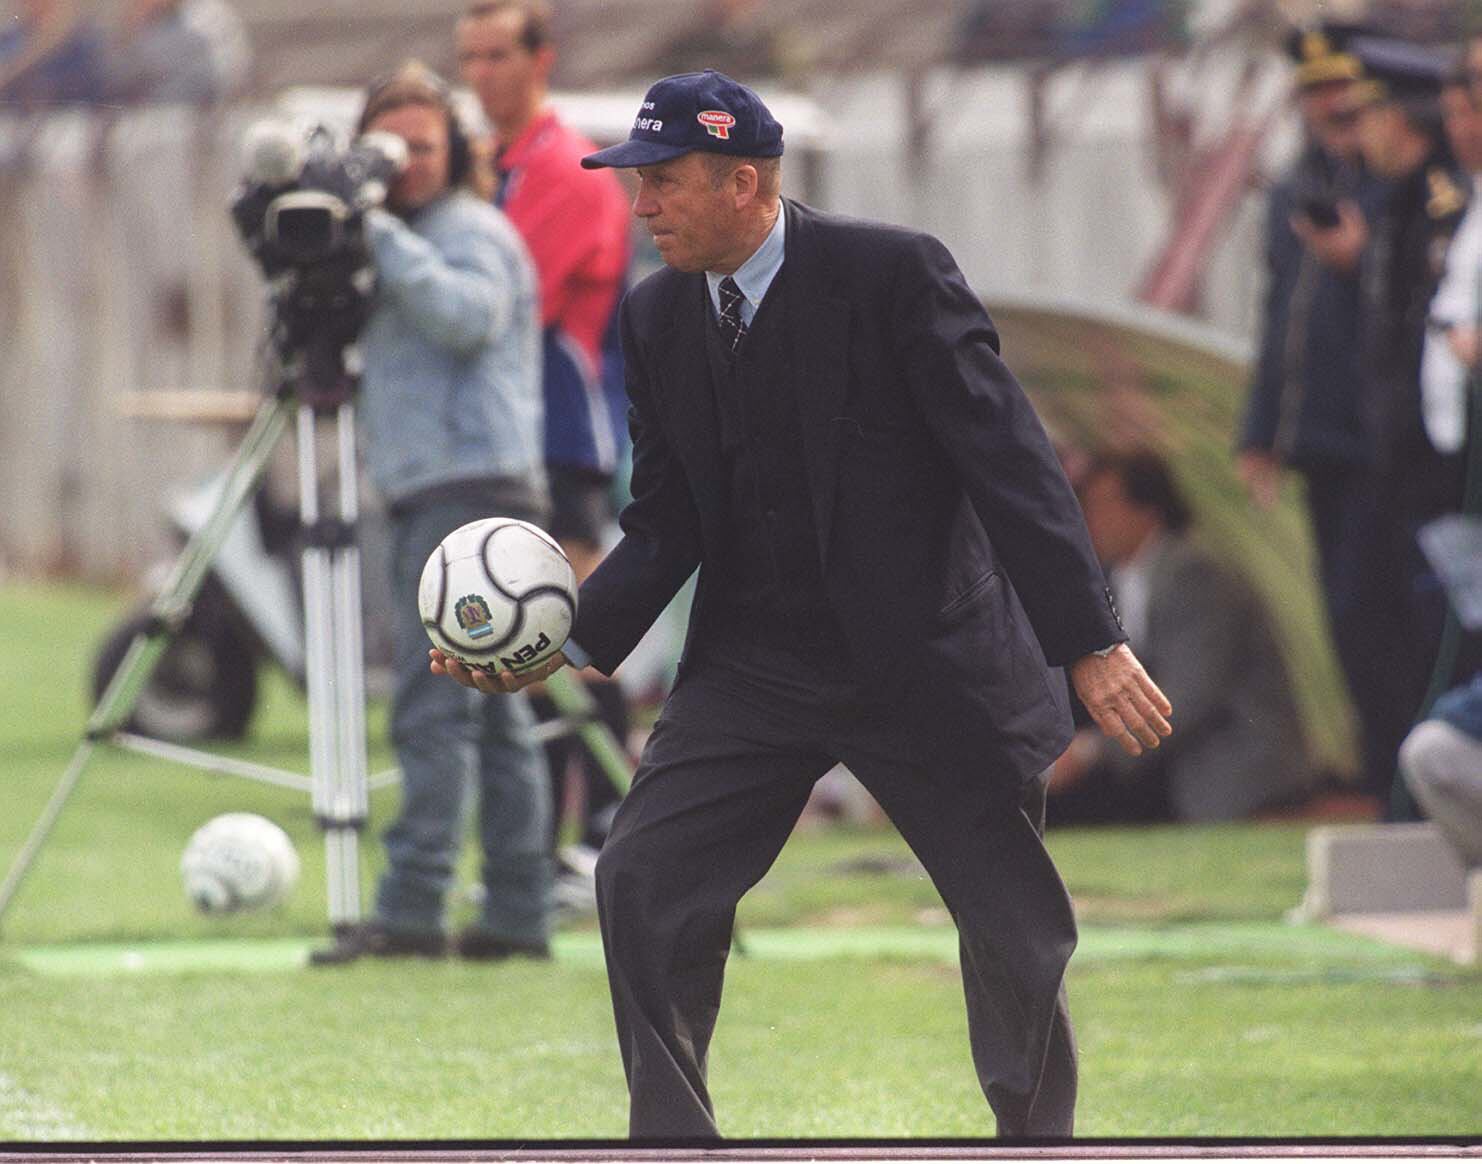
<point x="1125" y="703"/>
<point x="492" y="682"/>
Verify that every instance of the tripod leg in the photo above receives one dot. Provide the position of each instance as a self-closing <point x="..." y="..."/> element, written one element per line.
<point x="576" y="704"/>
<point x="336" y="674"/>
<point x="42" y="829"/>
<point x="352" y="794"/>
<point x="171" y="608"/>
<point x="168" y="612"/>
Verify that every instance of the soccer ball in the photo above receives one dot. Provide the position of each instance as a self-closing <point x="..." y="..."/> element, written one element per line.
<point x="499" y="594"/>
<point x="238" y="861"/>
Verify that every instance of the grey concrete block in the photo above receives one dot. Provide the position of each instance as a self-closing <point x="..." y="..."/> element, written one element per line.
<point x="1381" y="868"/>
<point x="1472" y="956"/>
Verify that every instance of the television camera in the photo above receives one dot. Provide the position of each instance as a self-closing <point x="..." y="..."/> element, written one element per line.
<point x="301" y="213"/>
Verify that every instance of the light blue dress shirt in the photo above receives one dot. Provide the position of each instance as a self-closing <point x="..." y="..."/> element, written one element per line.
<point x="755" y="275"/>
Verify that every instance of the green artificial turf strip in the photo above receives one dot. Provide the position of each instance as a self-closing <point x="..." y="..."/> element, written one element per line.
<point x="824" y="1048"/>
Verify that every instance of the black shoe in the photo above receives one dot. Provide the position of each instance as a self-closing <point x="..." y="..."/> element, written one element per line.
<point x="374" y="940"/>
<point x="482" y="946"/>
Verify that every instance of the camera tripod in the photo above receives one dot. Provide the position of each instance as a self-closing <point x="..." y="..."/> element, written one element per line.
<point x="338" y="783"/>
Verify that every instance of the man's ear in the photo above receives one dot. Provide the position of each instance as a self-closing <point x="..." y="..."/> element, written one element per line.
<point x="744" y="183"/>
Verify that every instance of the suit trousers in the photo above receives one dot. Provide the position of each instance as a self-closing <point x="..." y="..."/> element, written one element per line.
<point x="723" y="779"/>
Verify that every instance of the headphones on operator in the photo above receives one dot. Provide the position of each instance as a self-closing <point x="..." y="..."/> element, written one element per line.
<point x="415" y="84"/>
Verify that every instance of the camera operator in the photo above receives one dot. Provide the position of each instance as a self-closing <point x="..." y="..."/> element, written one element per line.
<point x="452" y="412"/>
<point x="1303" y="410"/>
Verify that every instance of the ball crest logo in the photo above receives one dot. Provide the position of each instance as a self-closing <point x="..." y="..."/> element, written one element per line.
<point x="472" y="613"/>
<point x="717" y="123"/>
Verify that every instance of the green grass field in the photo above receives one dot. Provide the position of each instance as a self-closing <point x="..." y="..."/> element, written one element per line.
<point x="126" y="1016"/>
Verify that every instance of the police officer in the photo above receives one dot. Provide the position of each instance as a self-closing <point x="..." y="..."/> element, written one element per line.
<point x="1303" y="412"/>
<point x="1403" y="140"/>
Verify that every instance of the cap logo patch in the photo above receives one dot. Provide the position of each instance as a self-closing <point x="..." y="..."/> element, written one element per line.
<point x="717" y="123"/>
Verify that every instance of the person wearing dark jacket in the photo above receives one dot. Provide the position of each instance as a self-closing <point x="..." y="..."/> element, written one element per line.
<point x="891" y="563"/>
<point x="1410" y="482"/>
<point x="1303" y="412"/>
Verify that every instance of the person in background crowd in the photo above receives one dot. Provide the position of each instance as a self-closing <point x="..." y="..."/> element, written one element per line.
<point x="1451" y="343"/>
<point x="1410" y="479"/>
<point x="1441" y="758"/>
<point x="163" y="55"/>
<point x="450" y="397"/>
<point x="1303" y="411"/>
<point x="576" y="225"/>
<point x="734" y="37"/>
<point x="1210" y="639"/>
<point x="51" y="55"/>
<point x="1441" y="761"/>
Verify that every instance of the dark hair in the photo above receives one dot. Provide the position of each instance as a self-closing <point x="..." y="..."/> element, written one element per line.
<point x="413" y="83"/>
<point x="1148" y="483"/>
<point x="535" y="32"/>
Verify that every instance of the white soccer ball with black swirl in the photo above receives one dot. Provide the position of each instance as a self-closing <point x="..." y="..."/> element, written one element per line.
<point x="238" y="861"/>
<point x="499" y="594"/>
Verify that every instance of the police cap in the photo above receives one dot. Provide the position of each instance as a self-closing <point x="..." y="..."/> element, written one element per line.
<point x="1397" y="70"/>
<point x="1321" y="52"/>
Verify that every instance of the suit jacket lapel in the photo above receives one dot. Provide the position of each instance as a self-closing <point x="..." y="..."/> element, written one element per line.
<point x="818" y="341"/>
<point x="688" y="393"/>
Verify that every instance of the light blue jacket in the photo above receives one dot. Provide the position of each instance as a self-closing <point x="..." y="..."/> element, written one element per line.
<point x="451" y="386"/>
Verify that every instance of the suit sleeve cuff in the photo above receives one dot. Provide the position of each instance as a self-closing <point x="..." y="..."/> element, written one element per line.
<point x="577" y="657"/>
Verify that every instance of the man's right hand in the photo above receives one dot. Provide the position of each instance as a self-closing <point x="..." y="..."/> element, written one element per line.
<point x="1339" y="246"/>
<point x="493" y="683"/>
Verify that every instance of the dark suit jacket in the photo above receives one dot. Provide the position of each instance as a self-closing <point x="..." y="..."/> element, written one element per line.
<point x="952" y="547"/>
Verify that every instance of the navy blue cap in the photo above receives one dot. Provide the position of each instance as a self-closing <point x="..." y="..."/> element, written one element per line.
<point x="695" y="111"/>
<point x="1400" y="70"/>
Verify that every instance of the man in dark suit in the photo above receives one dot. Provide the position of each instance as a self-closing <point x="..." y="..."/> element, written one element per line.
<point x="891" y="561"/>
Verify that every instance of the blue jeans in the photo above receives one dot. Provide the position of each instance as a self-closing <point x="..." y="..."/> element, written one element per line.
<point x="448" y="737"/>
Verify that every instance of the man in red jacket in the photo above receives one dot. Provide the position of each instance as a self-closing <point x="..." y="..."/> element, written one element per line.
<point x="576" y="225"/>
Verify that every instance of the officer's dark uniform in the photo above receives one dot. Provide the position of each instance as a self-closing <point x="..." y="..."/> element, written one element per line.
<point x="1403" y="604"/>
<point x="1304" y="402"/>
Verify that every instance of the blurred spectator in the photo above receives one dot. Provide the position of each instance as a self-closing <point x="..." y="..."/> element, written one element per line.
<point x="225" y="33"/>
<point x="189" y="52"/>
<point x="989" y="31"/>
<point x="1206" y="634"/>
<point x="1441" y="758"/>
<point x="1441" y="761"/>
<point x="1451" y="345"/>
<point x="50" y="54"/>
<point x="576" y="225"/>
<point x="728" y="36"/>
<point x="993" y="30"/>
<point x="1303" y="410"/>
<point x="1412" y="481"/>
